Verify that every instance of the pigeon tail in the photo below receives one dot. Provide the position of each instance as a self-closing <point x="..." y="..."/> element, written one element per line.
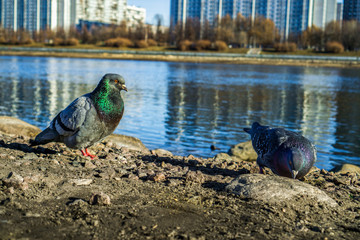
<point x="46" y="136"/>
<point x="247" y="130"/>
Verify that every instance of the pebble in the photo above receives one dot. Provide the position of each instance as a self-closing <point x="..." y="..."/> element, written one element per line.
<point x="89" y="165"/>
<point x="56" y="162"/>
<point x="81" y="182"/>
<point x="10" y="190"/>
<point x="106" y="174"/>
<point x="79" y="202"/>
<point x="99" y="199"/>
<point x="32" y="179"/>
<point x="158" y="177"/>
<point x="16" y="181"/>
<point x="30" y="156"/>
<point x="197" y="177"/>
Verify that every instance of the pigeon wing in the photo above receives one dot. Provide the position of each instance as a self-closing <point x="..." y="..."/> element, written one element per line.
<point x="69" y="121"/>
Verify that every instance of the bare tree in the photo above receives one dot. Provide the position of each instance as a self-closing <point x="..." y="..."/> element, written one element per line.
<point x="350" y="35"/>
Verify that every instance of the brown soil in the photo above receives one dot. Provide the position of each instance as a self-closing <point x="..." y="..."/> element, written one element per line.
<point x="154" y="197"/>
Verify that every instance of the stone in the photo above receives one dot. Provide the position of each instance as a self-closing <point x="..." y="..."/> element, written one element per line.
<point x="89" y="165"/>
<point x="243" y="151"/>
<point x="159" y="177"/>
<point x="99" y="199"/>
<point x="30" y="156"/>
<point x="161" y="152"/>
<point x="349" y="168"/>
<point x="276" y="189"/>
<point x="223" y="156"/>
<point x="32" y="178"/>
<point x="129" y="142"/>
<point x="197" y="177"/>
<point x="14" y="126"/>
<point x="81" y="182"/>
<point x="78" y="202"/>
<point x="16" y="181"/>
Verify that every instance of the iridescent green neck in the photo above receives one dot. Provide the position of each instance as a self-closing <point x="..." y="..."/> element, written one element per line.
<point x="107" y="100"/>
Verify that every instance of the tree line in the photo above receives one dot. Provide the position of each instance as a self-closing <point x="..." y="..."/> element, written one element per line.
<point x="193" y="35"/>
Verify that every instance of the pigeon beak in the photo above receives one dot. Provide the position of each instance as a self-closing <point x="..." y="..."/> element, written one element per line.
<point x="294" y="173"/>
<point x="123" y="87"/>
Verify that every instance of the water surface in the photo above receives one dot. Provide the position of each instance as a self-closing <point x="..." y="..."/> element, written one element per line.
<point x="186" y="107"/>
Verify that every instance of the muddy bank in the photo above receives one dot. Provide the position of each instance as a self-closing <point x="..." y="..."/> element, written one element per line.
<point x="286" y="60"/>
<point x="133" y="193"/>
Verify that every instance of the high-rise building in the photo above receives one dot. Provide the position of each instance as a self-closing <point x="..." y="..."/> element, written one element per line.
<point x="351" y="10"/>
<point x="324" y="11"/>
<point x="34" y="15"/>
<point x="9" y="15"/>
<point x="135" y="15"/>
<point x="234" y="7"/>
<point x="289" y="16"/>
<point x="276" y="10"/>
<point x="102" y="11"/>
<point x="1" y="12"/>
<point x="31" y="15"/>
<point x="300" y="15"/>
<point x="339" y="11"/>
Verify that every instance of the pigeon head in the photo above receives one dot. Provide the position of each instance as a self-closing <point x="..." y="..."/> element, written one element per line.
<point x="290" y="162"/>
<point x="256" y="127"/>
<point x="107" y="97"/>
<point x="113" y="81"/>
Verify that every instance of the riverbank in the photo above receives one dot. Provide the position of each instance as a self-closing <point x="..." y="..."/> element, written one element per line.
<point x="198" y="57"/>
<point x="129" y="192"/>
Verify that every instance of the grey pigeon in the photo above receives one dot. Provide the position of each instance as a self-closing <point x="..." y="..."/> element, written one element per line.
<point x="286" y="153"/>
<point x="89" y="118"/>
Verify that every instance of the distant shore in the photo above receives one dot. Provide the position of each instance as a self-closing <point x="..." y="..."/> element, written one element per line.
<point x="197" y="57"/>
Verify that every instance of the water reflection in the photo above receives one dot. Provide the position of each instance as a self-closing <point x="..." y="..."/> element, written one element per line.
<point x="186" y="107"/>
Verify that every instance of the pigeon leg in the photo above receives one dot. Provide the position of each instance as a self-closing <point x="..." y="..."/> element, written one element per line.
<point x="87" y="154"/>
<point x="261" y="170"/>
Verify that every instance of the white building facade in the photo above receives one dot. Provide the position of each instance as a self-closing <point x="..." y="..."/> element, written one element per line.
<point x="34" y="15"/>
<point x="135" y="15"/>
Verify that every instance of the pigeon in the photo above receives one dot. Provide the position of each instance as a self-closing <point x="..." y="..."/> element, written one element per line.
<point x="89" y="118"/>
<point x="286" y="153"/>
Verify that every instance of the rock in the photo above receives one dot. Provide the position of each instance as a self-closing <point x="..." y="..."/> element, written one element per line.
<point x="16" y="181"/>
<point x="243" y="151"/>
<point x="78" y="202"/>
<point x="161" y="152"/>
<point x="81" y="182"/>
<point x="89" y="165"/>
<point x="349" y="168"/>
<point x="158" y="177"/>
<point x="30" y="156"/>
<point x="99" y="199"/>
<point x="32" y="178"/>
<point x="275" y="189"/>
<point x="223" y="156"/>
<point x="106" y="174"/>
<point x="14" y="126"/>
<point x="197" y="177"/>
<point x="126" y="141"/>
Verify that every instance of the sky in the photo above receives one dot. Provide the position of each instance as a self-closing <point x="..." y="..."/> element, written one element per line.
<point x="153" y="7"/>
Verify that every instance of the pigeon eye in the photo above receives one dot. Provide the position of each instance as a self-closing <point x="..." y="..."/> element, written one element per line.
<point x="116" y="81"/>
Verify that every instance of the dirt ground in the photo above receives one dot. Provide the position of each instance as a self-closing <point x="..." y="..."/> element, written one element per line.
<point x="52" y="192"/>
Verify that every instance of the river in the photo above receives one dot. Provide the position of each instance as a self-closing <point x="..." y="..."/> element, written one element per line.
<point x="186" y="107"/>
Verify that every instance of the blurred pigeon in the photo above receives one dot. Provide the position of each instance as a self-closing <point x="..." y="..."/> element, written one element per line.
<point x="286" y="153"/>
<point x="89" y="118"/>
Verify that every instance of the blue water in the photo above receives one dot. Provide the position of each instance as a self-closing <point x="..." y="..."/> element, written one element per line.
<point x="186" y="107"/>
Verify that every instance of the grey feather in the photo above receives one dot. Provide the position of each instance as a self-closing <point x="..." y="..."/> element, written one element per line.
<point x="82" y="123"/>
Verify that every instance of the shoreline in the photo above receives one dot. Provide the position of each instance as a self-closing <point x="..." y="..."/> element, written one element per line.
<point x="194" y="57"/>
<point x="129" y="192"/>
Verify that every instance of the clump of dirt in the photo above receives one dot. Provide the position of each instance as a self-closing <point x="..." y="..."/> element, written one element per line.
<point x="52" y="192"/>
